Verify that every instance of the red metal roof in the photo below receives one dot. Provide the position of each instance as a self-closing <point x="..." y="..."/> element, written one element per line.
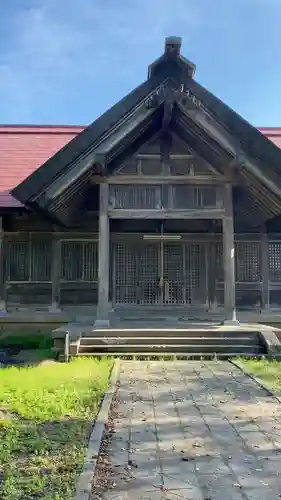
<point x="274" y="134"/>
<point x="24" y="148"/>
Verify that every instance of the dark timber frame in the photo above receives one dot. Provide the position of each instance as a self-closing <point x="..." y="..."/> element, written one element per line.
<point x="240" y="195"/>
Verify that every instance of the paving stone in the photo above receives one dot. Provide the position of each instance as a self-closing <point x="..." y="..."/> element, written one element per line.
<point x="194" y="430"/>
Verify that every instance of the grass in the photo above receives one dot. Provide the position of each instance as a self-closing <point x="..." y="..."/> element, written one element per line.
<point x="268" y="371"/>
<point x="46" y="414"/>
<point x="27" y="342"/>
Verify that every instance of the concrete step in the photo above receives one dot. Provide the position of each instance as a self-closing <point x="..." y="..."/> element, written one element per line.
<point x="169" y="332"/>
<point x="144" y="340"/>
<point x="183" y="355"/>
<point x="154" y="348"/>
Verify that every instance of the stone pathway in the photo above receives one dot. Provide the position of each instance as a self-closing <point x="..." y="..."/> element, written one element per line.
<point x="190" y="430"/>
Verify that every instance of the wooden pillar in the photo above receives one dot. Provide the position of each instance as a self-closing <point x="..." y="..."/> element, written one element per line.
<point x="102" y="320"/>
<point x="229" y="257"/>
<point x="56" y="270"/>
<point x="3" y="309"/>
<point x="212" y="272"/>
<point x="265" y="299"/>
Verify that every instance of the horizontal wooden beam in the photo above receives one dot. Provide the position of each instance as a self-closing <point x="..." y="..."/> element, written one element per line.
<point x="165" y="179"/>
<point x="156" y="156"/>
<point x="202" y="213"/>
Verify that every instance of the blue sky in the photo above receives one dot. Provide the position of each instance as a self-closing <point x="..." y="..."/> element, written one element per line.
<point x="67" y="61"/>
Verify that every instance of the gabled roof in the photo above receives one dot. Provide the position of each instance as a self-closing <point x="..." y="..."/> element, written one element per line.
<point x="83" y="142"/>
<point x="24" y="148"/>
<point x="123" y="128"/>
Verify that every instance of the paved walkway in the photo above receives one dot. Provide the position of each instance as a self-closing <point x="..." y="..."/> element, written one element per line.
<point x="190" y="430"/>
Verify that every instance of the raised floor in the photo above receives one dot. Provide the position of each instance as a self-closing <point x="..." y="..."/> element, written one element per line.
<point x="137" y="316"/>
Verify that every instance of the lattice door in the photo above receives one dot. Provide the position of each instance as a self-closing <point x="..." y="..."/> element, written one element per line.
<point x="195" y="273"/>
<point x="173" y="282"/>
<point x="159" y="273"/>
<point x="137" y="273"/>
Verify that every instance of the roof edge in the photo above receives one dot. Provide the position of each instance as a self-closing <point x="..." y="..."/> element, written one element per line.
<point x="41" y="129"/>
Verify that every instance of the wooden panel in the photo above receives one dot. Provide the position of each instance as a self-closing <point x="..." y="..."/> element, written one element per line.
<point x="78" y="293"/>
<point x="24" y="294"/>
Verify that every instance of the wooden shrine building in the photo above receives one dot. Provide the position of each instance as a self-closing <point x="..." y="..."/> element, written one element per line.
<point x="169" y="199"/>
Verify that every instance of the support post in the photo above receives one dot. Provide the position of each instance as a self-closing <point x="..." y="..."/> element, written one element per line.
<point x="265" y="299"/>
<point x="212" y="298"/>
<point x="3" y="308"/>
<point x="229" y="259"/>
<point x="56" y="268"/>
<point x="102" y="320"/>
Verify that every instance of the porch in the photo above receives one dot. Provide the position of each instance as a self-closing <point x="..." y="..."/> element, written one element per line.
<point x="54" y="271"/>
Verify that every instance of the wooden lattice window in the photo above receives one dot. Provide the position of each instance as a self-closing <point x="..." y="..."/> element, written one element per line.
<point x="188" y="197"/>
<point x="247" y="262"/>
<point x="79" y="261"/>
<point x="135" y="197"/>
<point x="274" y="261"/>
<point x="28" y="259"/>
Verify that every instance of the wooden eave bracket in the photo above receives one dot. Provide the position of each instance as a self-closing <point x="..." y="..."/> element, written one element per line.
<point x="99" y="163"/>
<point x="238" y="161"/>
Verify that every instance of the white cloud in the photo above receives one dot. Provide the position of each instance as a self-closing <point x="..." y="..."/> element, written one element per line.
<point x="55" y="46"/>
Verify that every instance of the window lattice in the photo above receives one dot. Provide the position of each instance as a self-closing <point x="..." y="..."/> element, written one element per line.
<point x="79" y="261"/>
<point x="28" y="260"/>
<point x="247" y="262"/>
<point x="186" y="197"/>
<point x="135" y="197"/>
<point x="219" y="262"/>
<point x="274" y="261"/>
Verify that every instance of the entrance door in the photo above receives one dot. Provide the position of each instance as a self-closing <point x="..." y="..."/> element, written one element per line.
<point x="159" y="273"/>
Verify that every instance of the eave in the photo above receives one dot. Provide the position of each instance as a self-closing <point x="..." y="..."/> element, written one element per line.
<point x="85" y="142"/>
<point x="64" y="197"/>
<point x="217" y="146"/>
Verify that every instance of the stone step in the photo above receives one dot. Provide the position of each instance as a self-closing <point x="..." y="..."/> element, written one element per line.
<point x="185" y="355"/>
<point x="170" y="332"/>
<point x="242" y="349"/>
<point x="140" y="340"/>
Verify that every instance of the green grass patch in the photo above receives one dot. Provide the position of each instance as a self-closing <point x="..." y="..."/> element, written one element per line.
<point x="268" y="371"/>
<point x="27" y="341"/>
<point x="46" y="415"/>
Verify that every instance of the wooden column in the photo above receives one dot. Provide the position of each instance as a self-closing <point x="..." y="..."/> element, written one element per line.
<point x="3" y="309"/>
<point x="56" y="269"/>
<point x="102" y="320"/>
<point x="265" y="299"/>
<point x="229" y="257"/>
<point x="212" y="298"/>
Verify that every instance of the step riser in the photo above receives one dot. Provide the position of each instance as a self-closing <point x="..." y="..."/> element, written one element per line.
<point x="171" y="340"/>
<point x="169" y="356"/>
<point x="172" y="349"/>
<point x="170" y="333"/>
